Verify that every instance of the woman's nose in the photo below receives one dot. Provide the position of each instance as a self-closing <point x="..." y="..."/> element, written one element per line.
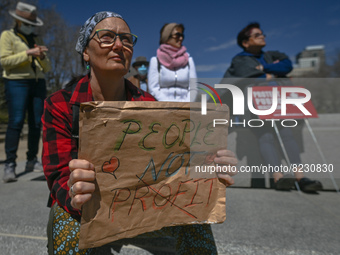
<point x="117" y="43"/>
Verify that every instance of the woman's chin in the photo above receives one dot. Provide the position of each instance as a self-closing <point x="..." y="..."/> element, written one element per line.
<point x="120" y="69"/>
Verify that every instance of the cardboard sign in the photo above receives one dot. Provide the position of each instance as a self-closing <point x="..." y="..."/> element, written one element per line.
<point x="262" y="100"/>
<point x="145" y="155"/>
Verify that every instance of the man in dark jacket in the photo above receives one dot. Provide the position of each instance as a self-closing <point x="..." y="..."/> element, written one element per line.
<point x="252" y="62"/>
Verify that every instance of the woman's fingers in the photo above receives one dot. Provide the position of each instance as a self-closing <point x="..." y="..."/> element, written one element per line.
<point x="231" y="170"/>
<point x="78" y="200"/>
<point x="81" y="192"/>
<point x="81" y="182"/>
<point x="225" y="153"/>
<point x="226" y="178"/>
<point x="43" y="48"/>
<point x="80" y="163"/>
<point x="81" y="187"/>
<point x="79" y="175"/>
<point x="227" y="162"/>
<point x="226" y="157"/>
<point x="81" y="170"/>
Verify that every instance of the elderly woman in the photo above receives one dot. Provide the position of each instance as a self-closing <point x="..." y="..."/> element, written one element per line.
<point x="171" y="70"/>
<point x="24" y="61"/>
<point x="106" y="45"/>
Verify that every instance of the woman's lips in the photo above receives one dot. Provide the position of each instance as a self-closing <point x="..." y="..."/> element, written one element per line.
<point x="117" y="58"/>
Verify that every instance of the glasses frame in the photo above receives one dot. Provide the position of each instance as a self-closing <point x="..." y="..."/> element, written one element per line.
<point x="257" y="35"/>
<point x="111" y="44"/>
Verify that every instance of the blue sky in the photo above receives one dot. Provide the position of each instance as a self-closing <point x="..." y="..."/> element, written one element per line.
<point x="211" y="26"/>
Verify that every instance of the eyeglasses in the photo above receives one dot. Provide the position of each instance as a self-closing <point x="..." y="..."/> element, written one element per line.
<point x="177" y="35"/>
<point x="257" y="35"/>
<point x="107" y="38"/>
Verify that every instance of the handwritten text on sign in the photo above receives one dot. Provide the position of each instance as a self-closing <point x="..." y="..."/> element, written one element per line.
<point x="142" y="152"/>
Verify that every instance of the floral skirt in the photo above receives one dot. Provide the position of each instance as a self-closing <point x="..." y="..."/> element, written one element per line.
<point x="63" y="237"/>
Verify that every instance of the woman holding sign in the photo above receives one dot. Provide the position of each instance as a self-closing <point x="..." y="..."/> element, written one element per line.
<point x="106" y="46"/>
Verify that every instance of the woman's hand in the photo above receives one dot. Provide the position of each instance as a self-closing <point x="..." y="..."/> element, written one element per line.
<point x="226" y="157"/>
<point x="81" y="182"/>
<point x="37" y="51"/>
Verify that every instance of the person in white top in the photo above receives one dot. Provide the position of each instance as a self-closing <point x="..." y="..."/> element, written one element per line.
<point x="172" y="72"/>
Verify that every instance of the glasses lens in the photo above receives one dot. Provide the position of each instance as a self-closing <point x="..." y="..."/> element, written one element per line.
<point x="258" y="35"/>
<point x="106" y="37"/>
<point x="128" y="39"/>
<point x="178" y="35"/>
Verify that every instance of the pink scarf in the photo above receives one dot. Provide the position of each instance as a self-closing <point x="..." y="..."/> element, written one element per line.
<point x="171" y="57"/>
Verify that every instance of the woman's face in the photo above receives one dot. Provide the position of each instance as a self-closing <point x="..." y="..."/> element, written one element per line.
<point x="175" y="40"/>
<point x="115" y="58"/>
<point x="25" y="28"/>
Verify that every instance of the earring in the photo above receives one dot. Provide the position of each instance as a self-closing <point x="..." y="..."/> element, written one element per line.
<point x="87" y="66"/>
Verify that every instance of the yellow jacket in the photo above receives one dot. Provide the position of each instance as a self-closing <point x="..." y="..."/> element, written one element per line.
<point x="14" y="60"/>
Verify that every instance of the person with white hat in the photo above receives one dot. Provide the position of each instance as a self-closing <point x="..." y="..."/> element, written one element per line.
<point x="24" y="62"/>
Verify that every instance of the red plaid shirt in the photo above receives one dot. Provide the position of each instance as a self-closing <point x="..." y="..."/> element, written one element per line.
<point x="58" y="146"/>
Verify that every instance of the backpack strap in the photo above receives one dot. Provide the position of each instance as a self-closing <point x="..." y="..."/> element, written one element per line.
<point x="158" y="65"/>
<point x="75" y="119"/>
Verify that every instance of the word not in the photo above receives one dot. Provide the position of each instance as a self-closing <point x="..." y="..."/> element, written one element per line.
<point x="171" y="165"/>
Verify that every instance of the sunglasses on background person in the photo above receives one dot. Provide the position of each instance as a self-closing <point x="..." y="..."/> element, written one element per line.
<point x="257" y="35"/>
<point x="177" y="35"/>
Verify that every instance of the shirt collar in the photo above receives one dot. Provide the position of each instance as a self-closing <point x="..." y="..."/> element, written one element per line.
<point x="83" y="91"/>
<point x="245" y="53"/>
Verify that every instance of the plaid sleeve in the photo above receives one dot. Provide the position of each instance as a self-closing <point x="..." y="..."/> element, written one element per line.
<point x="144" y="97"/>
<point x="58" y="147"/>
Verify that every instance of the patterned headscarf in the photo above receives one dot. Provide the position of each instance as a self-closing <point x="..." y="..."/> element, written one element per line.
<point x="87" y="28"/>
